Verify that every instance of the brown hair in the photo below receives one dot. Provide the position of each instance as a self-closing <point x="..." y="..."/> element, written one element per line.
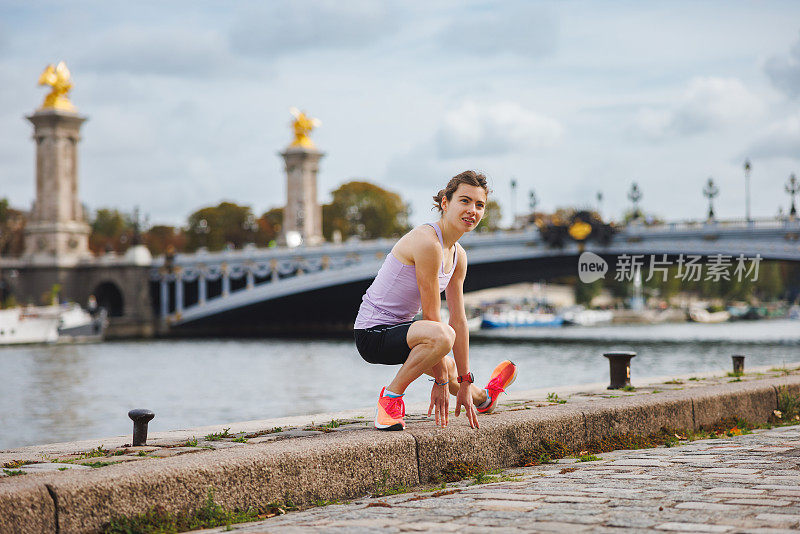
<point x="467" y="177"/>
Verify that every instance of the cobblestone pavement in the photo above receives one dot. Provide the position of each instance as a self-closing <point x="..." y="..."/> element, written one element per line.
<point x="748" y="483"/>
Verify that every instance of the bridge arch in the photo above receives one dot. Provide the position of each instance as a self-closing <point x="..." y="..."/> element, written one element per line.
<point x="109" y="296"/>
<point x="300" y="289"/>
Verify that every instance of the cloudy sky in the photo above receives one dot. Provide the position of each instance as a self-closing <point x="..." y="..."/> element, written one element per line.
<point x="188" y="104"/>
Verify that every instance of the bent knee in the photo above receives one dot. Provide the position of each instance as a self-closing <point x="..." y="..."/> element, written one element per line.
<point x="445" y="337"/>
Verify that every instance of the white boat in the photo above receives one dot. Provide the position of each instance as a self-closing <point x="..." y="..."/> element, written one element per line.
<point x="25" y="325"/>
<point x="519" y="319"/>
<point x="67" y="323"/>
<point x="579" y="315"/>
<point x="76" y="325"/>
<point x="700" y="315"/>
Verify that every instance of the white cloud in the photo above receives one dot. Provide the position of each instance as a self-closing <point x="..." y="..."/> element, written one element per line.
<point x="781" y="139"/>
<point x="784" y="71"/>
<point x="473" y="129"/>
<point x="521" y="29"/>
<point x="275" y="28"/>
<point x="707" y="103"/>
<point x="179" y="52"/>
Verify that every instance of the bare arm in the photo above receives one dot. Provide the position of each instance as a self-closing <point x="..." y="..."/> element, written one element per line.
<point x="458" y="321"/>
<point x="458" y="317"/>
<point x="427" y="257"/>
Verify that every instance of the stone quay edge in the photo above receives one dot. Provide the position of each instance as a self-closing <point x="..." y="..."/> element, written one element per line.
<point x="347" y="464"/>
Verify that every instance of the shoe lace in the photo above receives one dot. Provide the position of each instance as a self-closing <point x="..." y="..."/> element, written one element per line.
<point x="495" y="384"/>
<point x="395" y="407"/>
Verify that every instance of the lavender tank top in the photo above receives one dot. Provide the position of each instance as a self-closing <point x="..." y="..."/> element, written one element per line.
<point x="394" y="297"/>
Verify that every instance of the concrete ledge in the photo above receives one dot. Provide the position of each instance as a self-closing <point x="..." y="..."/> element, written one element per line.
<point x="640" y="415"/>
<point x="351" y="463"/>
<point x="499" y="442"/>
<point x="752" y="401"/>
<point x="26" y="506"/>
<point x="304" y="470"/>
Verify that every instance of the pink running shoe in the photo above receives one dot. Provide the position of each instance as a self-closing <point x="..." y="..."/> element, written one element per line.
<point x="389" y="413"/>
<point x="502" y="377"/>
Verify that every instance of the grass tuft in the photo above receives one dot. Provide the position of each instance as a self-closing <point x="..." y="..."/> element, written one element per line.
<point x="553" y="397"/>
<point x="217" y="436"/>
<point x="210" y="514"/>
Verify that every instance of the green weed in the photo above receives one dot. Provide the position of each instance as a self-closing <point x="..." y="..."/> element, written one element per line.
<point x="553" y="397"/>
<point x="674" y="381"/>
<point x="13" y="472"/>
<point x="788" y="406"/>
<point x="455" y="471"/>
<point x="210" y="514"/>
<point x="98" y="464"/>
<point x="17" y="463"/>
<point x="628" y="387"/>
<point x="382" y="487"/>
<point x="588" y="458"/>
<point x="94" y="453"/>
<point x="240" y="440"/>
<point x="217" y="436"/>
<point x="191" y="442"/>
<point x="260" y="433"/>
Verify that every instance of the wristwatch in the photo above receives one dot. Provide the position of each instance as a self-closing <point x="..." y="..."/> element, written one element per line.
<point x="466" y="378"/>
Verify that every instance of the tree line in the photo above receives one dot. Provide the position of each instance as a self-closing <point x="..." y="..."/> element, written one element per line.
<point x="358" y="209"/>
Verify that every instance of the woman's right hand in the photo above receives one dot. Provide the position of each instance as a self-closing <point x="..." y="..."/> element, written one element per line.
<point x="440" y="403"/>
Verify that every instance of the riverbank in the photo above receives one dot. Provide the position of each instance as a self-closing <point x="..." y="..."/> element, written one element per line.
<point x="80" y="486"/>
<point x="71" y="393"/>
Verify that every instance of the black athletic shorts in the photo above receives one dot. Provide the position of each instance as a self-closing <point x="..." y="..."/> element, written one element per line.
<point x="385" y="344"/>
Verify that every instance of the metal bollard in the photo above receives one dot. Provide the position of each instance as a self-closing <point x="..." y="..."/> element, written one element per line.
<point x="140" y="419"/>
<point x="620" y="368"/>
<point x="738" y="364"/>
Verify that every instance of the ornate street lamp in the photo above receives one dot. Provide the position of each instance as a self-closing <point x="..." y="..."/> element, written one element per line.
<point x="710" y="191"/>
<point x="792" y="187"/>
<point x="600" y="204"/>
<point x="250" y="226"/>
<point x="532" y="202"/>
<point x="202" y="230"/>
<point x="747" y="189"/>
<point x="513" y="201"/>
<point x="635" y="195"/>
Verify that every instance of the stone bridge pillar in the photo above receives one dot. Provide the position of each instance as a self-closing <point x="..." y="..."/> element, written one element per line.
<point x="302" y="214"/>
<point x="57" y="232"/>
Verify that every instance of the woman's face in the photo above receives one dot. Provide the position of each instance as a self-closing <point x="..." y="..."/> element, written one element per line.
<point x="465" y="209"/>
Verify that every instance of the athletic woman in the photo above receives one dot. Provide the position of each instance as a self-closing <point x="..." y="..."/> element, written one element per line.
<point x="422" y="264"/>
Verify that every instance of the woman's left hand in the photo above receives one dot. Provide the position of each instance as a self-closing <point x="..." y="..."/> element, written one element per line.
<point x="464" y="398"/>
<point x="440" y="404"/>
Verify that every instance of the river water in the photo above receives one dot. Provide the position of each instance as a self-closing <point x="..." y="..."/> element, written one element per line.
<point x="63" y="393"/>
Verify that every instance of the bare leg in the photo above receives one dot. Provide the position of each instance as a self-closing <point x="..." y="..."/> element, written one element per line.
<point x="478" y="394"/>
<point x="430" y="341"/>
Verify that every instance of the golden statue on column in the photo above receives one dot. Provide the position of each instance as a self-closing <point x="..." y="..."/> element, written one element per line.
<point x="59" y="78"/>
<point x="303" y="125"/>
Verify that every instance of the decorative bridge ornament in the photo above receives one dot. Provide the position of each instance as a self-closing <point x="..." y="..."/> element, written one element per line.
<point x="224" y="281"/>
